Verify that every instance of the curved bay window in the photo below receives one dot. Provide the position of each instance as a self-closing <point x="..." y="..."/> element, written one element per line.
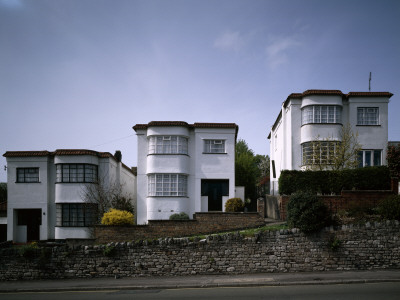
<point x="168" y="144"/>
<point x="321" y="114"/>
<point x="318" y="152"/>
<point x="167" y="185"/>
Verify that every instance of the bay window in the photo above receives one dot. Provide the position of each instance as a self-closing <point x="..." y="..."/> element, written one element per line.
<point x="167" y="185"/>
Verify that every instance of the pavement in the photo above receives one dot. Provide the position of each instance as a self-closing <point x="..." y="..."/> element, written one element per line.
<point x="201" y="281"/>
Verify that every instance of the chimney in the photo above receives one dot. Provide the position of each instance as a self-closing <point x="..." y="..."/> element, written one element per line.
<point x="118" y="156"/>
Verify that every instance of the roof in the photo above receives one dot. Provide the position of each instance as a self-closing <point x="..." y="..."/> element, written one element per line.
<point x="184" y="124"/>
<point x="328" y="93"/>
<point x="60" y="152"/>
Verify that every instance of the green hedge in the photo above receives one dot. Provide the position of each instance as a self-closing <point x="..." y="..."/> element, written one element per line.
<point x="333" y="182"/>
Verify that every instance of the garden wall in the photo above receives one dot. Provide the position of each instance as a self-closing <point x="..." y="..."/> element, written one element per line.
<point x="202" y="223"/>
<point x="366" y="247"/>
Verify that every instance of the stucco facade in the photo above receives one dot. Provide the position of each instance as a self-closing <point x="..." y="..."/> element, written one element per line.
<point x="45" y="191"/>
<point x="184" y="168"/>
<point x="321" y="115"/>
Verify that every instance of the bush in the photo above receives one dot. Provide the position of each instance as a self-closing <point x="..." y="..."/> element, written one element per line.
<point x="122" y="203"/>
<point x="117" y="217"/>
<point x="234" y="205"/>
<point x="389" y="208"/>
<point x="333" y="182"/>
<point x="109" y="251"/>
<point x="181" y="216"/>
<point x="307" y="212"/>
<point x="28" y="251"/>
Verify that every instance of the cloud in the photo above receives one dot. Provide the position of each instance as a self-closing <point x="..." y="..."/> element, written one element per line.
<point x="229" y="41"/>
<point x="277" y="51"/>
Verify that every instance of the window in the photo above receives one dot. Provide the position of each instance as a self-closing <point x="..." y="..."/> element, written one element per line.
<point x="367" y="116"/>
<point x="76" y="214"/>
<point x="168" y="144"/>
<point x="214" y="146"/>
<point x="368" y="158"/>
<point x="318" y="152"/>
<point x="167" y="185"/>
<point x="27" y="175"/>
<point x="77" y="173"/>
<point x="321" y="114"/>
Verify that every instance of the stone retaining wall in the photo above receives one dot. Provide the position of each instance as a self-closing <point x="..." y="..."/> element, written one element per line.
<point x="202" y="223"/>
<point x="370" y="246"/>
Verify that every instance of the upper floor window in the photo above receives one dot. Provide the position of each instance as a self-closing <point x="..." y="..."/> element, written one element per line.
<point x="77" y="173"/>
<point x="167" y="185"/>
<point x="367" y="158"/>
<point x="318" y="152"/>
<point x="168" y="144"/>
<point x="367" y="116"/>
<point x="27" y="175"/>
<point x="214" y="146"/>
<point x="321" y="114"/>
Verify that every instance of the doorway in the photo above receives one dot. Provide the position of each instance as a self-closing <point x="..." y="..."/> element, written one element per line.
<point x="215" y="189"/>
<point x="32" y="219"/>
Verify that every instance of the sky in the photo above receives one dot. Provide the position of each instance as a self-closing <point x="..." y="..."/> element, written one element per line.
<point x="78" y="74"/>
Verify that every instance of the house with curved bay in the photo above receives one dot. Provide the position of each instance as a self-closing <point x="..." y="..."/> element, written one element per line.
<point x="184" y="168"/>
<point x="320" y="115"/>
<point x="45" y="200"/>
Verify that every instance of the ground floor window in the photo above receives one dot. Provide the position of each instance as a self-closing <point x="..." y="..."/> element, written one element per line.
<point x="367" y="158"/>
<point x="76" y="214"/>
<point x="167" y="185"/>
<point x="318" y="152"/>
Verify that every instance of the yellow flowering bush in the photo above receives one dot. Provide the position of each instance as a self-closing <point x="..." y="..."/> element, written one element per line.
<point x="234" y="205"/>
<point x="117" y="217"/>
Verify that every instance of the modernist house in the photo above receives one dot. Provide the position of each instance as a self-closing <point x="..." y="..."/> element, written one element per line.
<point x="184" y="168"/>
<point x="45" y="191"/>
<point x="320" y="115"/>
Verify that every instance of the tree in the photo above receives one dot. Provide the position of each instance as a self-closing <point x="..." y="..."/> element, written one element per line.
<point x="393" y="160"/>
<point x="262" y="162"/>
<point x="329" y="154"/>
<point x="105" y="196"/>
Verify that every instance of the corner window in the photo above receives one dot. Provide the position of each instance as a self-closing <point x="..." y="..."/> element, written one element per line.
<point x="76" y="214"/>
<point x="318" y="152"/>
<point x="214" y="146"/>
<point x="26" y="175"/>
<point x="167" y="185"/>
<point x="321" y="114"/>
<point x="369" y="158"/>
<point x="168" y="144"/>
<point x="368" y="116"/>
<point x="76" y="173"/>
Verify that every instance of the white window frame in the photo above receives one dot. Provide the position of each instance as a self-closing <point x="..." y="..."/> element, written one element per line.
<point x="368" y="116"/>
<point x="214" y="146"/>
<point x="321" y="114"/>
<point x="167" y="185"/>
<point x="167" y="144"/>
<point x="367" y="158"/>
<point x="325" y="155"/>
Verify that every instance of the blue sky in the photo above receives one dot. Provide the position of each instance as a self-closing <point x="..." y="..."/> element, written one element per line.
<point x="81" y="73"/>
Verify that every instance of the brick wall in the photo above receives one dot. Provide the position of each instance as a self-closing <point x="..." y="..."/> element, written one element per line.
<point x="362" y="247"/>
<point x="202" y="223"/>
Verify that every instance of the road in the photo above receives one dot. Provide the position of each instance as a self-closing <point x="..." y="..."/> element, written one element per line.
<point x="386" y="290"/>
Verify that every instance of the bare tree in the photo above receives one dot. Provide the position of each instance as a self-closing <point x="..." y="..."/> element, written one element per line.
<point x="330" y="154"/>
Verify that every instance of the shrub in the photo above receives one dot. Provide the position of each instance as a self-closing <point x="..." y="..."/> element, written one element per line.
<point x="28" y="251"/>
<point x="307" y="212"/>
<point x="180" y="216"/>
<point x="389" y="208"/>
<point x="109" y="251"/>
<point x="122" y="203"/>
<point x="117" y="217"/>
<point x="234" y="205"/>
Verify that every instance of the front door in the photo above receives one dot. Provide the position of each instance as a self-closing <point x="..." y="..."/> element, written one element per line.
<point x="32" y="218"/>
<point x="214" y="189"/>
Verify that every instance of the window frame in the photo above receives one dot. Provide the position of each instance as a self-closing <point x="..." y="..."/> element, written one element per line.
<point x="364" y="119"/>
<point x="209" y="149"/>
<point x="76" y="214"/>
<point x="373" y="158"/>
<point x="307" y="154"/>
<point x="167" y="185"/>
<point x="168" y="144"/>
<point x="76" y="173"/>
<point x="25" y="175"/>
<point x="321" y="114"/>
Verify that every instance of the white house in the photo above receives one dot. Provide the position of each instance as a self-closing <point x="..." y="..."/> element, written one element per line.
<point x="320" y="115"/>
<point x="184" y="168"/>
<point x="45" y="191"/>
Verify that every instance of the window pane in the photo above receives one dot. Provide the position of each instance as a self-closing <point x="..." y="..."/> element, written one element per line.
<point x="324" y="114"/>
<point x="65" y="171"/>
<point x="367" y="158"/>
<point x="377" y="157"/>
